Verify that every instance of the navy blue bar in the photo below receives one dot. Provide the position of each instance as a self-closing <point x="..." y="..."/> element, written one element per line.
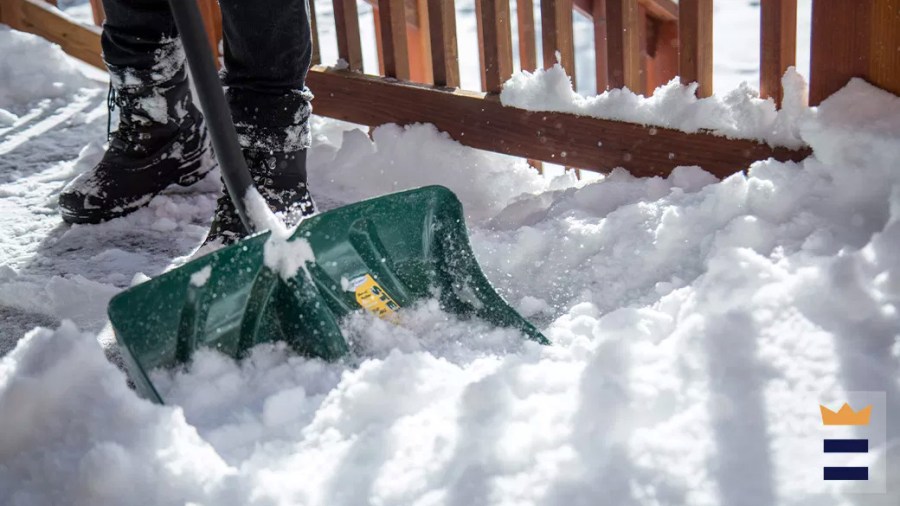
<point x="846" y="446"/>
<point x="847" y="473"/>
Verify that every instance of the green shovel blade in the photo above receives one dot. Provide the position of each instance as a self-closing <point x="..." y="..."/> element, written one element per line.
<point x="379" y="255"/>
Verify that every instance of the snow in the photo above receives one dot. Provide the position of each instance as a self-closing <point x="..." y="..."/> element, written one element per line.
<point x="738" y="114"/>
<point x="200" y="277"/>
<point x="696" y="325"/>
<point x="32" y="70"/>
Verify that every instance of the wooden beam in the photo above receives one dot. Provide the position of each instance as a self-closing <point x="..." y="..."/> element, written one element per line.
<point x="558" y="35"/>
<point x="481" y="121"/>
<point x="778" y="45"/>
<point x="695" y="43"/>
<point x="392" y="21"/>
<point x="497" y="39"/>
<point x="40" y="18"/>
<point x="623" y="42"/>
<point x="444" y="57"/>
<point x="346" y="23"/>
<point x="601" y="50"/>
<point x="527" y="41"/>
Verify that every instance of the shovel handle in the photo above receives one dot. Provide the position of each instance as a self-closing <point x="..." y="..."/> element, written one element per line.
<point x="212" y="103"/>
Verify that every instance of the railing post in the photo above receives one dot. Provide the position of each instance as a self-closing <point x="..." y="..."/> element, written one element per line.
<point x="392" y="20"/>
<point x="557" y="34"/>
<point x="527" y="42"/>
<point x="778" y="45"/>
<point x="695" y="43"/>
<point x="314" y="31"/>
<point x="497" y="43"/>
<point x="97" y="11"/>
<point x="598" y="14"/>
<point x="346" y="23"/>
<point x="623" y="42"/>
<point x="867" y="46"/>
<point x="444" y="57"/>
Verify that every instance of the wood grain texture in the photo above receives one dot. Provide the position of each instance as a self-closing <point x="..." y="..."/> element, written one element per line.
<point x="623" y="44"/>
<point x="663" y="10"/>
<point x="481" y="121"/>
<point x="884" y="69"/>
<point x="527" y="40"/>
<point x="866" y="47"/>
<point x="444" y="57"/>
<point x="346" y="24"/>
<point x="557" y="35"/>
<point x="40" y="18"/>
<point x="695" y="39"/>
<point x="497" y="39"/>
<point x="314" y="31"/>
<point x="778" y="45"/>
<point x="601" y="49"/>
<point x="392" y="22"/>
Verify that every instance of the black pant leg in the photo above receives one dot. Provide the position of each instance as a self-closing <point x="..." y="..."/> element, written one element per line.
<point x="268" y="49"/>
<point x="136" y="33"/>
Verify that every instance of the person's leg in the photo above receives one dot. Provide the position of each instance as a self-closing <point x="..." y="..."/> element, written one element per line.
<point x="268" y="51"/>
<point x="136" y="32"/>
<point x="267" y="55"/>
<point x="161" y="139"/>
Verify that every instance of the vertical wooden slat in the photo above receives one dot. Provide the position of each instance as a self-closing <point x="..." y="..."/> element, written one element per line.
<point x="419" y="38"/>
<point x="623" y="44"/>
<point x="346" y="22"/>
<point x="98" y="12"/>
<point x="835" y="59"/>
<point x="527" y="42"/>
<point x="497" y="43"/>
<point x="314" y="29"/>
<point x="479" y="28"/>
<point x="557" y="34"/>
<point x="392" y="18"/>
<point x="598" y="14"/>
<point x="778" y="45"/>
<point x="444" y="57"/>
<point x="212" y="21"/>
<point x="867" y="46"/>
<point x="695" y="39"/>
<point x="884" y="70"/>
<point x="648" y="73"/>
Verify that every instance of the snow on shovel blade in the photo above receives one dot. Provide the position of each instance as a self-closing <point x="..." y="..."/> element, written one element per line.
<point x="378" y="255"/>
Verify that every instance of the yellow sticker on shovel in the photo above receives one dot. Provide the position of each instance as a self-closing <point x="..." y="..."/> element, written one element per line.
<point x="373" y="298"/>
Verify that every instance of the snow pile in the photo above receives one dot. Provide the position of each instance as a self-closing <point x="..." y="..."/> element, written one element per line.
<point x="696" y="325"/>
<point x="739" y="114"/>
<point x="31" y="70"/>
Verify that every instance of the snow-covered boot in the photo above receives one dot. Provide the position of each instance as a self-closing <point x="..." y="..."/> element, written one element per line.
<point x="161" y="140"/>
<point x="280" y="177"/>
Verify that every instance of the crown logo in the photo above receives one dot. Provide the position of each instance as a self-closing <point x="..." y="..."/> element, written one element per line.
<point x="846" y="415"/>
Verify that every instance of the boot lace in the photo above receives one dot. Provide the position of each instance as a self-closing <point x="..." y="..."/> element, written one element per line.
<point x="127" y="133"/>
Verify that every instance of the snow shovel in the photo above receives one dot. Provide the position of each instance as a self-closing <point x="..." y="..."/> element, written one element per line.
<point x="379" y="255"/>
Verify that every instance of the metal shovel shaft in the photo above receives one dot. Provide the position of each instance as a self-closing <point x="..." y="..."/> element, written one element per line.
<point x="212" y="103"/>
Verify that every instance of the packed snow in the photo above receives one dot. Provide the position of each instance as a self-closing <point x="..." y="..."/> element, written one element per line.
<point x="739" y="114"/>
<point x="695" y="325"/>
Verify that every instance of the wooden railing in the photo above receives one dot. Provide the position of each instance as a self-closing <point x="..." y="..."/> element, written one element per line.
<point x="638" y="43"/>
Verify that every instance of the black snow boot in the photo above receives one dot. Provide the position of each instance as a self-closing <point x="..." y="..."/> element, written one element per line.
<point x="280" y="177"/>
<point x="161" y="140"/>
